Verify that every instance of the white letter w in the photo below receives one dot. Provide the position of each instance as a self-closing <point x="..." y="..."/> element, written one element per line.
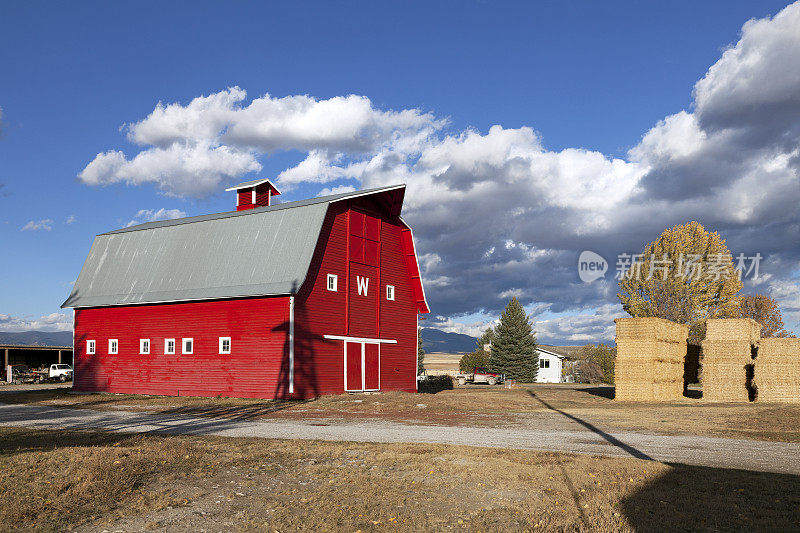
<point x="362" y="283"/>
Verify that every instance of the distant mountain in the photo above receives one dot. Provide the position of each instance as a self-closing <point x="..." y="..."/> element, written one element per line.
<point x="435" y="340"/>
<point x="37" y="338"/>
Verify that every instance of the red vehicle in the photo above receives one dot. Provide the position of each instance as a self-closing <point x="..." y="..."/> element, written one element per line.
<point x="481" y="374"/>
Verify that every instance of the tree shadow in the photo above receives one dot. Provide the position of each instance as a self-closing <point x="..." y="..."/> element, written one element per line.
<point x="696" y="498"/>
<point x="307" y="343"/>
<point x="594" y="429"/>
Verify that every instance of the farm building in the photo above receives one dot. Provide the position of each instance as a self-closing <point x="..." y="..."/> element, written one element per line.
<point x="550" y="364"/>
<point x="33" y="356"/>
<point x="292" y="300"/>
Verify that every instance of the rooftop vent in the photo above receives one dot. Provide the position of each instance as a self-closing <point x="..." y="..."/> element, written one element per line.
<point x="252" y="194"/>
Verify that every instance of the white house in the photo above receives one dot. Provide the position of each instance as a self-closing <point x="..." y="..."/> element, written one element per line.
<point x="549" y="366"/>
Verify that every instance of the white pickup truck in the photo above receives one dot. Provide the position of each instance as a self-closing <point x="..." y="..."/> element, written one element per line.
<point x="57" y="372"/>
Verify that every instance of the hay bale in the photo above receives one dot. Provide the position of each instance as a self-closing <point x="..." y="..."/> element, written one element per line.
<point x="650" y="359"/>
<point x="778" y="370"/>
<point x="728" y="359"/>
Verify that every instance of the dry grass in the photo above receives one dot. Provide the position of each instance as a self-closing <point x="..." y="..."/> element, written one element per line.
<point x="476" y="405"/>
<point x="90" y="481"/>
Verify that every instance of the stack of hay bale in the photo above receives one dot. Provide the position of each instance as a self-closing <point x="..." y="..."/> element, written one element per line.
<point x="728" y="350"/>
<point x="778" y="375"/>
<point x="650" y="359"/>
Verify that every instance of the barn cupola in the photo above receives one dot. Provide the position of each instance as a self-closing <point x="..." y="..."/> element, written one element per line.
<point x="252" y="194"/>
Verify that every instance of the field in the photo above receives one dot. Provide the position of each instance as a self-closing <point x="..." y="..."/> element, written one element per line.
<point x="475" y="405"/>
<point x="89" y="481"/>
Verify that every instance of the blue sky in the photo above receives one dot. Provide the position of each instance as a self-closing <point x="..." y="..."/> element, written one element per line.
<point x="581" y="75"/>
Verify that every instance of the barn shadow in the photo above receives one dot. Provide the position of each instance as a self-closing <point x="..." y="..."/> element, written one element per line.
<point x="696" y="498"/>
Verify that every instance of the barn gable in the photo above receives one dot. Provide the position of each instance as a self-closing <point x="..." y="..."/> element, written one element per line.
<point x="256" y="252"/>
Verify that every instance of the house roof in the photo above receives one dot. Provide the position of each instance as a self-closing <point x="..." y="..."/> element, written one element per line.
<point x="564" y="351"/>
<point x="548" y="352"/>
<point x="253" y="183"/>
<point x="257" y="252"/>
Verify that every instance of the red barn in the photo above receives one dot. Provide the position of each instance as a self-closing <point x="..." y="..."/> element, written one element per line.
<point x="291" y="300"/>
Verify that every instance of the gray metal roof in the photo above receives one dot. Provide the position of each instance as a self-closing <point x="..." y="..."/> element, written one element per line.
<point x="257" y="252"/>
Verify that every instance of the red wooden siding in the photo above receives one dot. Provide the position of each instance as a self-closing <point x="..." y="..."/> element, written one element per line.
<point x="371" y="367"/>
<point x="256" y="367"/>
<point x="353" y="366"/>
<point x="319" y="362"/>
<point x="262" y="194"/>
<point x="244" y="199"/>
<point x="398" y="317"/>
<point x="364" y="293"/>
<point x="357" y="239"/>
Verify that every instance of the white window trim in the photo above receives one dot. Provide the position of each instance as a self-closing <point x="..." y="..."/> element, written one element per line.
<point x="141" y="346"/>
<point x="166" y="347"/>
<point x="390" y="292"/>
<point x="221" y="350"/>
<point x="116" y="345"/>
<point x="91" y="346"/>
<point x="335" y="279"/>
<point x="183" y="345"/>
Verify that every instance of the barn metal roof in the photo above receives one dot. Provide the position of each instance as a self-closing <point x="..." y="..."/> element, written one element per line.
<point x="252" y="183"/>
<point x="257" y="252"/>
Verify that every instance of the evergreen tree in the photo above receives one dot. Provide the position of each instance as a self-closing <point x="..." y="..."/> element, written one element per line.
<point x="514" y="346"/>
<point x="420" y="353"/>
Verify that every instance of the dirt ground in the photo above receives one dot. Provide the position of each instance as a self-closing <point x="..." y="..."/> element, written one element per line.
<point x="88" y="481"/>
<point x="476" y="405"/>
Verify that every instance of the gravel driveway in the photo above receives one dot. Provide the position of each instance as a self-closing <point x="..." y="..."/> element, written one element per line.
<point x="704" y="451"/>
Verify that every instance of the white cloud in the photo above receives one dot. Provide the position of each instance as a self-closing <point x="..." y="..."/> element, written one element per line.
<point x="190" y="150"/>
<point x="46" y="224"/>
<point x="152" y="215"/>
<point x="51" y="322"/>
<point x="336" y="190"/>
<point x="195" y="169"/>
<point x="496" y="212"/>
<point x="71" y="219"/>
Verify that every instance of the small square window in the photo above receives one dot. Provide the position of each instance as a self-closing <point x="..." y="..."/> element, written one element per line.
<point x="169" y="346"/>
<point x="113" y="346"/>
<point x="188" y="346"/>
<point x="544" y="363"/>
<point x="224" y="345"/>
<point x="90" y="347"/>
<point x="390" y="292"/>
<point x="144" y="346"/>
<point x="333" y="282"/>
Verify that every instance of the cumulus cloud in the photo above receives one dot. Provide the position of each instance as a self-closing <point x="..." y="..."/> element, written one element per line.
<point x="46" y="224"/>
<point x="71" y="219"/>
<point x="190" y="150"/>
<point x="732" y="161"/>
<point x="51" y="322"/>
<point x="336" y="190"/>
<point x="152" y="215"/>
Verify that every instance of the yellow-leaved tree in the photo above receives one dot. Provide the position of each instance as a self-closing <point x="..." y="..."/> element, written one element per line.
<point x="686" y="275"/>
